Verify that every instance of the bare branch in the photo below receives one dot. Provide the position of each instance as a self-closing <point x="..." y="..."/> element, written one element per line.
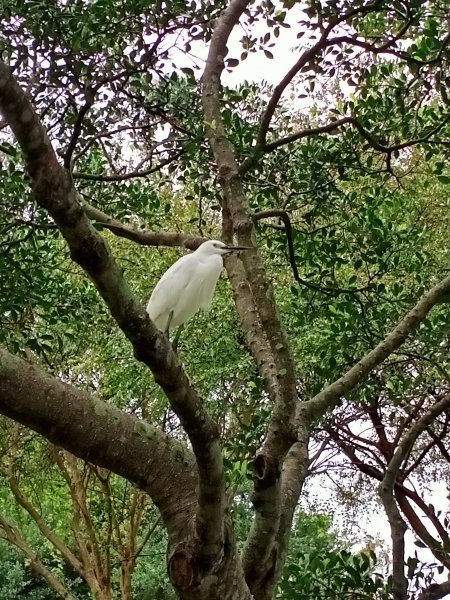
<point x="386" y="491"/>
<point x="143" y="237"/>
<point x="52" y="537"/>
<point x="130" y="175"/>
<point x="283" y="215"/>
<point x="322" y="43"/>
<point x="298" y="135"/>
<point x="76" y="132"/>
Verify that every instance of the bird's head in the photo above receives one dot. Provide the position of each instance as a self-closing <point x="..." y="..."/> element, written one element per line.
<point x="217" y="247"/>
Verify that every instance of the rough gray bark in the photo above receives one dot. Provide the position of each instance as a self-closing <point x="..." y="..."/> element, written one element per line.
<point x="267" y="339"/>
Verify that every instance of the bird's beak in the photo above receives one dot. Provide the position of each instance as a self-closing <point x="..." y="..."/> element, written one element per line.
<point x="237" y="248"/>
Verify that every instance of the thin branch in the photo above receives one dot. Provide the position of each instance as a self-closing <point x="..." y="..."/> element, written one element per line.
<point x="76" y="132"/>
<point x="283" y="215"/>
<point x="126" y="176"/>
<point x="298" y="135"/>
<point x="7" y="150"/>
<point x="15" y="537"/>
<point x="143" y="237"/>
<point x="46" y="531"/>
<point x="390" y="149"/>
<point x="328" y="397"/>
<point x="322" y="43"/>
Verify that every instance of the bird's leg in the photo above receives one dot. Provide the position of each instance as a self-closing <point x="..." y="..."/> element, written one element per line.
<point x="176" y="339"/>
<point x="169" y="321"/>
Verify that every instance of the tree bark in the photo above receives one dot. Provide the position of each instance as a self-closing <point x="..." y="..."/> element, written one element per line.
<point x="103" y="434"/>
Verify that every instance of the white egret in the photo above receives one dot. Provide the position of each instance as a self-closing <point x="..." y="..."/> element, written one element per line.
<point x="188" y="285"/>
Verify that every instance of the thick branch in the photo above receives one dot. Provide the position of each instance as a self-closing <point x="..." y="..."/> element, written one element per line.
<point x="386" y="491"/>
<point x="404" y="448"/>
<point x="54" y="192"/>
<point x="328" y="397"/>
<point x="435" y="591"/>
<point x="280" y="436"/>
<point x="398" y="530"/>
<point x="102" y="434"/>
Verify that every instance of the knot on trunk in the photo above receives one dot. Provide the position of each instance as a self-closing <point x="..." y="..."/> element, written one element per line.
<point x="181" y="569"/>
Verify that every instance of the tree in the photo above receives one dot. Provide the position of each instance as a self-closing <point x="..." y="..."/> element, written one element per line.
<point x="88" y="519"/>
<point x="102" y="83"/>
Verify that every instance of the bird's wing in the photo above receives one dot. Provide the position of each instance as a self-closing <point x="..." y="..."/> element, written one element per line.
<point x="167" y="291"/>
<point x="207" y="283"/>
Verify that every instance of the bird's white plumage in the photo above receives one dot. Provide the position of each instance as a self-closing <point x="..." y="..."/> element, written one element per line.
<point x="187" y="286"/>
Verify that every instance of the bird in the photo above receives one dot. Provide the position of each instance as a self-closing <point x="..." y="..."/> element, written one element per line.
<point x="188" y="285"/>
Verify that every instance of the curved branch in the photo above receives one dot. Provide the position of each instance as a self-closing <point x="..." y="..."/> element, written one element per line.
<point x="100" y="433"/>
<point x="405" y="446"/>
<point x="322" y="43"/>
<point x="283" y="215"/>
<point x="298" y="135"/>
<point x="327" y="398"/>
<point x="390" y="149"/>
<point x="435" y="591"/>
